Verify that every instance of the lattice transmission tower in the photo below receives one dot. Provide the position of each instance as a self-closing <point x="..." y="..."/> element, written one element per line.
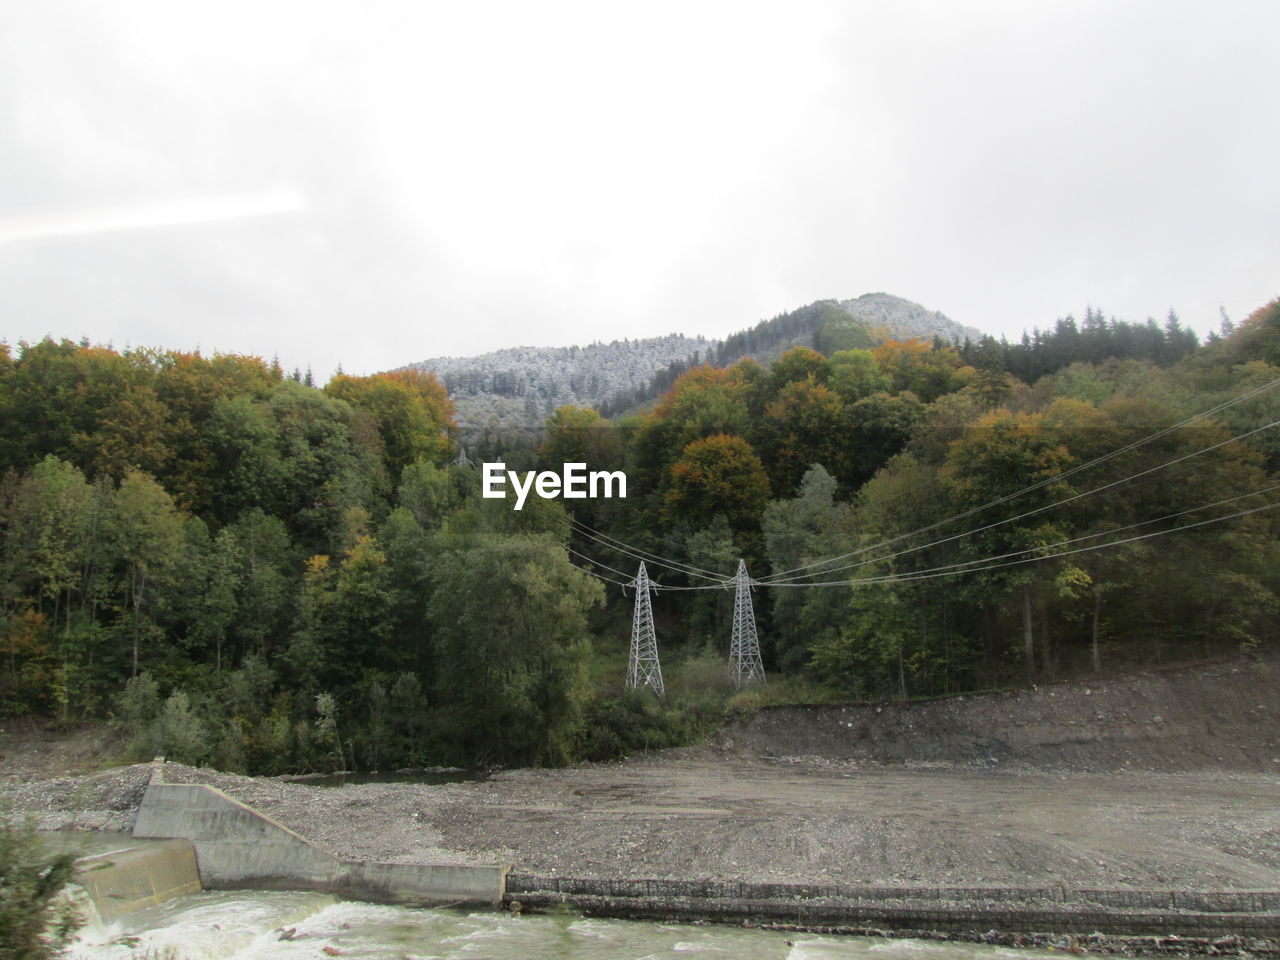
<point x="643" y="669"/>
<point x="744" y="649"/>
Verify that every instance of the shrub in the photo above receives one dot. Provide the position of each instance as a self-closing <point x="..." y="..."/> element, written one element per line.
<point x="36" y="920"/>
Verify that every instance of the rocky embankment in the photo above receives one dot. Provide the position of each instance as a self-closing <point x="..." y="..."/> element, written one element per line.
<point x="1220" y="716"/>
<point x="68" y="776"/>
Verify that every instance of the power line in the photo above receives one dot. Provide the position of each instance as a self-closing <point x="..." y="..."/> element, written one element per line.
<point x="719" y="581"/>
<point x="646" y="556"/>
<point x="653" y="585"/>
<point x="600" y="576"/>
<point x="723" y="585"/>
<point x="983" y="563"/>
<point x="596" y="562"/>
<point x="959" y="565"/>
<point x="639" y="553"/>
<point x="780" y="580"/>
<point x="1035" y="486"/>
<point x="947" y="572"/>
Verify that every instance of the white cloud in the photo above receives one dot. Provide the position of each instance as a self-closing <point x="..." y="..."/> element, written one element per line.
<point x="185" y="211"/>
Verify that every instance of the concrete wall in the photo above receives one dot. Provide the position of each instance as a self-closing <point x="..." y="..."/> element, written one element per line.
<point x="239" y="848"/>
<point x="957" y="910"/>
<point x="120" y="883"/>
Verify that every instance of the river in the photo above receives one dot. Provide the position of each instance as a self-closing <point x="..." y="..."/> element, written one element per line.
<point x="247" y="925"/>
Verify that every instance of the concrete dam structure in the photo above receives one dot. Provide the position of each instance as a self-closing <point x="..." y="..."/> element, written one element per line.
<point x="219" y="843"/>
<point x="125" y="881"/>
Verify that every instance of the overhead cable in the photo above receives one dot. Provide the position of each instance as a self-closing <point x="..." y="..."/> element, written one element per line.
<point x="959" y="565"/>
<point x="646" y="556"/>
<point x="909" y="577"/>
<point x="1033" y="487"/>
<point x="597" y="562"/>
<point x="779" y="579"/>
<point x="601" y="576"/>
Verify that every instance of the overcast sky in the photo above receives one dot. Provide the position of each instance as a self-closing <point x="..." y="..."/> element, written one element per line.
<point x="377" y="183"/>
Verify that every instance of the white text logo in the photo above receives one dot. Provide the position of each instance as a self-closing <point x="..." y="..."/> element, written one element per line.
<point x="572" y="483"/>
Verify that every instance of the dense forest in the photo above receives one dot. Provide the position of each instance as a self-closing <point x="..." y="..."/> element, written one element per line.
<point x="243" y="569"/>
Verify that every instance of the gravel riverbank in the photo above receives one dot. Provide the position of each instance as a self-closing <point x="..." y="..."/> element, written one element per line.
<point x="703" y="816"/>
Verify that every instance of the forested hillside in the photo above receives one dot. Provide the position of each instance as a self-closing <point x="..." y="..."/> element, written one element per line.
<point x="249" y="571"/>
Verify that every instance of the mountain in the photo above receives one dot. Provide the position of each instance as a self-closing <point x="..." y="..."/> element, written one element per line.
<point x="514" y="390"/>
<point x="903" y="320"/>
<point x="831" y="325"/>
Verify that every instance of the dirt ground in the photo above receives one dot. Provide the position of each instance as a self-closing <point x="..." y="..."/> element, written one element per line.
<point x="731" y="812"/>
<point x="38" y="749"/>
<point x="806" y="821"/>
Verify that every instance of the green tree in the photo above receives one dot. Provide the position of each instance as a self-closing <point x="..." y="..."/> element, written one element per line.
<point x="839" y="333"/>
<point x="47" y="546"/>
<point x="878" y="428"/>
<point x="147" y="540"/>
<point x="334" y="460"/>
<point x="509" y="616"/>
<point x="856" y="374"/>
<point x="407" y="548"/>
<point x="428" y="492"/>
<point x="704" y="402"/>
<point x="413" y="413"/>
<point x="347" y="617"/>
<point x="216" y="574"/>
<point x="1000" y="455"/>
<point x="361" y="608"/>
<point x="1258" y="337"/>
<point x="132" y="434"/>
<point x="720" y="474"/>
<point x="796" y="532"/>
<point x="267" y="579"/>
<point x="578" y="435"/>
<point x="927" y="370"/>
<point x="180" y="731"/>
<point x="797" y="364"/>
<point x="246" y="450"/>
<point x="803" y="426"/>
<point x="711" y="547"/>
<point x="869" y="654"/>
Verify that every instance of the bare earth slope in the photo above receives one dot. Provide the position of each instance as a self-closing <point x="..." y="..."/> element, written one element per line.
<point x="1219" y="716"/>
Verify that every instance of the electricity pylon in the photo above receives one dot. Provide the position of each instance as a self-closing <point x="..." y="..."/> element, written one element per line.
<point x="643" y="668"/>
<point x="744" y="649"/>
